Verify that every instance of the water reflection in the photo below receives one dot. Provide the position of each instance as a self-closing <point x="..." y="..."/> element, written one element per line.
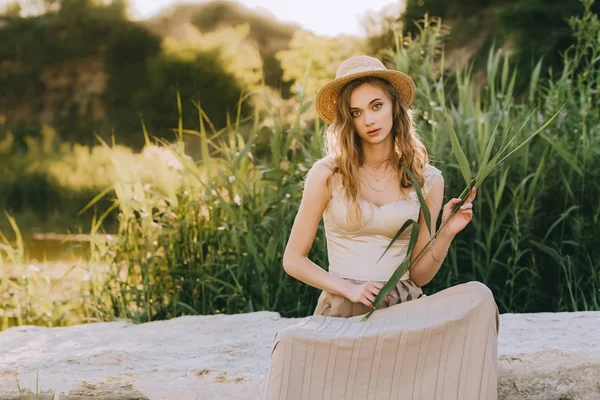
<point x="56" y="247"/>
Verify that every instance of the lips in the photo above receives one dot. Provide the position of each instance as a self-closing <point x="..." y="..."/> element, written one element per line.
<point x="373" y="131"/>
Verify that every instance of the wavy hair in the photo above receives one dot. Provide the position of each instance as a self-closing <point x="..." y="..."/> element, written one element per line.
<point x="344" y="144"/>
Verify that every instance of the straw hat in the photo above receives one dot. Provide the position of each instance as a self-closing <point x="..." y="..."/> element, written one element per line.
<point x="358" y="67"/>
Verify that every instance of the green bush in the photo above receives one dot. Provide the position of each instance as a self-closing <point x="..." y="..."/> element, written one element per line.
<point x="199" y="78"/>
<point x="216" y="244"/>
<point x="142" y="79"/>
<point x="208" y="236"/>
<point x="531" y="29"/>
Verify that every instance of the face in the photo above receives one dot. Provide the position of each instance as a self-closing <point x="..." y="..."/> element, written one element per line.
<point x="372" y="113"/>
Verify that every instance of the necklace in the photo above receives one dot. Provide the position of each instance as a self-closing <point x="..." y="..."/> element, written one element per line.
<point x="375" y="168"/>
<point x="377" y="180"/>
<point x="369" y="184"/>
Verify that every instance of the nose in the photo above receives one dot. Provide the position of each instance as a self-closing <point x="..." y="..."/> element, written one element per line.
<point x="369" y="119"/>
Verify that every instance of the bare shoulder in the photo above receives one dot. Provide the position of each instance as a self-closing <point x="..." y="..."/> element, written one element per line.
<point x="322" y="169"/>
<point x="318" y="177"/>
<point x="328" y="162"/>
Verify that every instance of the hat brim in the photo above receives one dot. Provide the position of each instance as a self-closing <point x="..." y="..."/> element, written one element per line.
<point x="326" y="98"/>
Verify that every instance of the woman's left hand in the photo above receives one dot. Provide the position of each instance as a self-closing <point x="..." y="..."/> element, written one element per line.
<point x="463" y="216"/>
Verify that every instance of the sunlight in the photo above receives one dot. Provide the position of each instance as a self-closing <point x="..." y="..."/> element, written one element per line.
<point x="314" y="15"/>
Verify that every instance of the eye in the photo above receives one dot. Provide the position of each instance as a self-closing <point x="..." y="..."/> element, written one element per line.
<point x="354" y="113"/>
<point x="377" y="106"/>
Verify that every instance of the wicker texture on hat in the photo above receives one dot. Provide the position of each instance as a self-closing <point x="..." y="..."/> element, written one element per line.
<point x="358" y="67"/>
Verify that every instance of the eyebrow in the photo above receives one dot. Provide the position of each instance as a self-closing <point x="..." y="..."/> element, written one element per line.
<point x="372" y="101"/>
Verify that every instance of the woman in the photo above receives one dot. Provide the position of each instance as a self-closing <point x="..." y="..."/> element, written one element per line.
<point x="442" y="346"/>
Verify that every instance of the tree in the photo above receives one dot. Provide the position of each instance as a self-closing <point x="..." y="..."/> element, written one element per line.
<point x="197" y="77"/>
<point x="380" y="28"/>
<point x="238" y="56"/>
<point x="325" y="55"/>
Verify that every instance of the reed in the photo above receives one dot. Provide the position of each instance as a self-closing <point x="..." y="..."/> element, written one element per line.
<point x="206" y="235"/>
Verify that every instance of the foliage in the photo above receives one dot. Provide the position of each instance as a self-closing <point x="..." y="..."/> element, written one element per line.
<point x="217" y="246"/>
<point x="416" y="9"/>
<point x="140" y="76"/>
<point x="381" y="27"/>
<point x="197" y="77"/>
<point x="238" y="57"/>
<point x="207" y="236"/>
<point x="531" y="29"/>
<point x="529" y="243"/>
<point x="266" y="34"/>
<point x="324" y="54"/>
<point x="55" y="179"/>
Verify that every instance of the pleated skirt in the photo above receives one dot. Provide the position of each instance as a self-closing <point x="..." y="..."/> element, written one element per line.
<point x="438" y="347"/>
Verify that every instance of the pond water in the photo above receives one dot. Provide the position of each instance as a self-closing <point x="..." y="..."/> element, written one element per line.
<point x="56" y="247"/>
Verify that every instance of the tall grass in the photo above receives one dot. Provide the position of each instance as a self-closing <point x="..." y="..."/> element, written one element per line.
<point x="46" y="294"/>
<point x="531" y="238"/>
<point x="207" y="236"/>
<point x="216" y="245"/>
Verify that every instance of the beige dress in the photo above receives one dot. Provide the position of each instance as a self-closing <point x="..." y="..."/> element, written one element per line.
<point x="438" y="347"/>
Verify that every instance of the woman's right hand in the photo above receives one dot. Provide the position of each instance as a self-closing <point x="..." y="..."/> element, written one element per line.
<point x="366" y="292"/>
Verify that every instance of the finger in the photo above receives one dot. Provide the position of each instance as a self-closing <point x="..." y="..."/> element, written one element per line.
<point x="370" y="297"/>
<point x="374" y="291"/>
<point x="378" y="285"/>
<point x="366" y="303"/>
<point x="374" y="288"/>
<point x="472" y="194"/>
<point x="451" y="203"/>
<point x="466" y="206"/>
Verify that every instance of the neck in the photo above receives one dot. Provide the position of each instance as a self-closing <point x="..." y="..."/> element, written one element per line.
<point x="375" y="154"/>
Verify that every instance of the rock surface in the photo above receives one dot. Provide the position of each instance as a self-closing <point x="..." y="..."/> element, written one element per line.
<point x="541" y="356"/>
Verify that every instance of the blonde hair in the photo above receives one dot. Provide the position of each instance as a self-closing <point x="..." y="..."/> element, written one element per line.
<point x="344" y="144"/>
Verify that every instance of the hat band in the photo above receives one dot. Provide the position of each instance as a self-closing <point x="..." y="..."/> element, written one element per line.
<point x="363" y="69"/>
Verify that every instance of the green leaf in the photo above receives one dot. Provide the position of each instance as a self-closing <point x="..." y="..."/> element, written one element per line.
<point x="402" y="229"/>
<point x="541" y="128"/>
<point x="422" y="202"/>
<point x="463" y="163"/>
<point x="16" y="230"/>
<point x="568" y="157"/>
<point x="400" y="271"/>
<point x="490" y="145"/>
<point x="187" y="307"/>
<point x="96" y="199"/>
<point x="500" y="190"/>
<point x="560" y="219"/>
<point x="484" y="172"/>
<point x="305" y="107"/>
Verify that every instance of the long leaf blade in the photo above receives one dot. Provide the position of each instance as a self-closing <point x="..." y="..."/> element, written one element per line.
<point x="463" y="163"/>
<point x="402" y="268"/>
<point x="422" y="202"/>
<point x="400" y="231"/>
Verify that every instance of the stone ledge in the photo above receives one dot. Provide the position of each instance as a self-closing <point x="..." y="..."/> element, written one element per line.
<point x="541" y="356"/>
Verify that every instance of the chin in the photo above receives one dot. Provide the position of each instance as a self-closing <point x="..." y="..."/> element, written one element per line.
<point x="377" y="139"/>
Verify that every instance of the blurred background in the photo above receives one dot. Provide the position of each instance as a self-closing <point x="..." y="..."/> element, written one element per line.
<point x="152" y="152"/>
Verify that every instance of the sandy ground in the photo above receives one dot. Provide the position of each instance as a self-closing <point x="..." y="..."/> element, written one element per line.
<point x="227" y="357"/>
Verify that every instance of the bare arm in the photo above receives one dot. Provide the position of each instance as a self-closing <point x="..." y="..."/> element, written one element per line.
<point x="317" y="192"/>
<point x="424" y="269"/>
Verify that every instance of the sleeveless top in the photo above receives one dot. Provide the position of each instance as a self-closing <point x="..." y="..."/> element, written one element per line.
<point x="354" y="246"/>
